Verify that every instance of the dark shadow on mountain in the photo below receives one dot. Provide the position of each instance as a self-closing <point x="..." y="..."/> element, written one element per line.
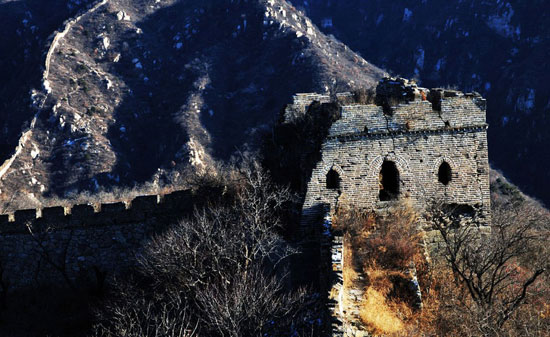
<point x="218" y="74"/>
<point x="242" y="81"/>
<point x="499" y="49"/>
<point x="26" y="26"/>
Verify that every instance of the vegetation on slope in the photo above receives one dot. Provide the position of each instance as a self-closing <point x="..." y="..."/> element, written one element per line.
<point x="158" y="80"/>
<point x="475" y="284"/>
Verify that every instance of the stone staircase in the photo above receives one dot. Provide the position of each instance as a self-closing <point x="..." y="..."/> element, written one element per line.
<point x="344" y="304"/>
<point x="352" y="300"/>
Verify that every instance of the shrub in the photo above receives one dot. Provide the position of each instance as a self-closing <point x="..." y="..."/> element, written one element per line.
<point x="487" y="285"/>
<point x="364" y="96"/>
<point x="223" y="267"/>
<point x="499" y="281"/>
<point x="394" y="240"/>
<point x="382" y="249"/>
<point x="81" y="69"/>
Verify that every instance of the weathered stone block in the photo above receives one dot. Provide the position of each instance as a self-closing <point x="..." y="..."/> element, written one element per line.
<point x="113" y="208"/>
<point x="145" y="203"/>
<point x="181" y="199"/>
<point x="53" y="213"/>
<point x="113" y="213"/>
<point x="83" y="215"/>
<point x="25" y="216"/>
<point x="4" y="219"/>
<point x="5" y="224"/>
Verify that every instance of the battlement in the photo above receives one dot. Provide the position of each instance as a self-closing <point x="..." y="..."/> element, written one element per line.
<point x="456" y="113"/>
<point x="101" y="214"/>
<point x="393" y="91"/>
<point x="300" y="103"/>
<point x="84" y="237"/>
<point x="399" y="105"/>
<point x="402" y="141"/>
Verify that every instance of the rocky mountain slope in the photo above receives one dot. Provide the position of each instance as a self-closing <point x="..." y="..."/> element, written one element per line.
<point x="498" y="48"/>
<point x="26" y="32"/>
<point x="134" y="88"/>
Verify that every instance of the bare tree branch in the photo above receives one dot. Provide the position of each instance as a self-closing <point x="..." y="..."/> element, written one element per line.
<point x="491" y="266"/>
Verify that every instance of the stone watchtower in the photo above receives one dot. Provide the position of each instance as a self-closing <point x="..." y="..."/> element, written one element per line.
<point x="412" y="143"/>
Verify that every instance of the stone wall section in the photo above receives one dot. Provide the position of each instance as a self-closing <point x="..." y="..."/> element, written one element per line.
<point x="417" y="136"/>
<point x="83" y="239"/>
<point x="456" y="112"/>
<point x="300" y="104"/>
<point x="418" y="139"/>
<point x="417" y="157"/>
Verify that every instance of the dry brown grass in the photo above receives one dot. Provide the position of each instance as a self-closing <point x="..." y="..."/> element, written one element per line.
<point x="352" y="221"/>
<point x="364" y="96"/>
<point x="393" y="241"/>
<point x="386" y="309"/>
<point x="382" y="249"/>
<point x="349" y="274"/>
<point x="379" y="314"/>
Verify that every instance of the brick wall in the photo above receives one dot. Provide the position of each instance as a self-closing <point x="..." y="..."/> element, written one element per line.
<point x="106" y="237"/>
<point x="418" y="138"/>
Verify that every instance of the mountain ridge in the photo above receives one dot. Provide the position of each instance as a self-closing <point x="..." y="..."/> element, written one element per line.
<point x="138" y="88"/>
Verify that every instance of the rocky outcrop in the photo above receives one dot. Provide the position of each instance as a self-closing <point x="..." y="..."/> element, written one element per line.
<point x="28" y="31"/>
<point x="41" y="98"/>
<point x="141" y="87"/>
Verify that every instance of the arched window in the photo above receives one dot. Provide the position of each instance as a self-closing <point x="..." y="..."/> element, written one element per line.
<point x="333" y="180"/>
<point x="389" y="181"/>
<point x="444" y="175"/>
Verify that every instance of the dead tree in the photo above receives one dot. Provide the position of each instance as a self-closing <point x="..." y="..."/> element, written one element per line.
<point x="496" y="269"/>
<point x="225" y="263"/>
<point x="136" y="313"/>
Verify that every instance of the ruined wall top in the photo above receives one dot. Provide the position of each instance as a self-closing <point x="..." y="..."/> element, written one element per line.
<point x="300" y="103"/>
<point x="399" y="105"/>
<point x="89" y="215"/>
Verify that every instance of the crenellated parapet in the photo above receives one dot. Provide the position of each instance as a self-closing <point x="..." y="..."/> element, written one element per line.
<point x="102" y="214"/>
<point x="83" y="238"/>
<point x="404" y="107"/>
<point x="300" y="104"/>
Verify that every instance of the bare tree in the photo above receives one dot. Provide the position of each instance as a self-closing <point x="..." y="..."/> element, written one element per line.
<point x="249" y="304"/>
<point x="136" y="313"/>
<point x="226" y="262"/>
<point x="497" y="269"/>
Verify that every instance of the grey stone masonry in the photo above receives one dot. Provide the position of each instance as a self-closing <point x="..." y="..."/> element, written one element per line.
<point x="301" y="102"/>
<point x="332" y="245"/>
<point x="416" y="144"/>
<point x="344" y="304"/>
<point x="82" y="239"/>
<point x="439" y="150"/>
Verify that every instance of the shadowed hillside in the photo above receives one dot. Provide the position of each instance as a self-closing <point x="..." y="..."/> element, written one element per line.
<point x="498" y="48"/>
<point x="136" y="88"/>
<point x="26" y="27"/>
